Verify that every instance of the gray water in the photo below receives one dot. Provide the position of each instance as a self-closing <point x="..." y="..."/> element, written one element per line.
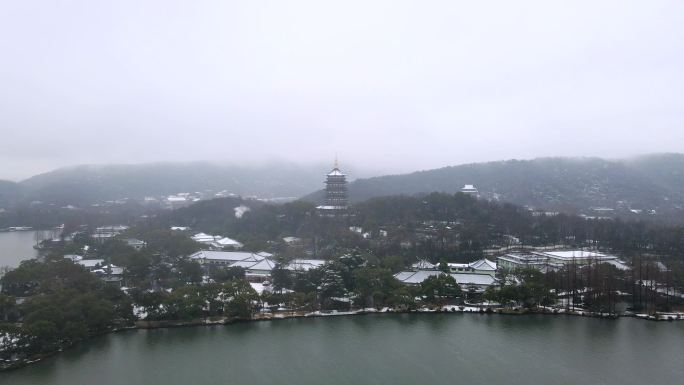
<point x="16" y="246"/>
<point x="378" y="349"/>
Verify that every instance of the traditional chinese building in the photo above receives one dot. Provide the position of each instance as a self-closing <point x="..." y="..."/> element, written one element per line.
<point x="335" y="193"/>
<point x="469" y="189"/>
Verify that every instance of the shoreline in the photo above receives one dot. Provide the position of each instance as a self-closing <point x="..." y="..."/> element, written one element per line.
<point x="260" y="317"/>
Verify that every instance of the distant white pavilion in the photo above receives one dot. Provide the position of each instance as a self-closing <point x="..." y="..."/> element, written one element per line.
<point x="469" y="189"/>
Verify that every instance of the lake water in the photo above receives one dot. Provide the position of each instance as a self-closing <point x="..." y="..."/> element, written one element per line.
<point x="379" y="349"/>
<point x="15" y="246"/>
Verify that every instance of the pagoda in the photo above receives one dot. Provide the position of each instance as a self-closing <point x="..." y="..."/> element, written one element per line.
<point x="335" y="193"/>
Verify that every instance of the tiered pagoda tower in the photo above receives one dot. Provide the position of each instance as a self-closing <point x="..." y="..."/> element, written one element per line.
<point x="335" y="193"/>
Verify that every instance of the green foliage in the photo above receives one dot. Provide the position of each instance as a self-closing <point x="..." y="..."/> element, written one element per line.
<point x="403" y="297"/>
<point x="347" y="265"/>
<point x="8" y="308"/>
<point x="114" y="248"/>
<point x="137" y="267"/>
<point x="164" y="242"/>
<point x="527" y="287"/>
<point x="223" y="274"/>
<point x="184" y="303"/>
<point x="65" y="303"/>
<point x="437" y="288"/>
<point x="234" y="298"/>
<point x="307" y="281"/>
<point x="443" y="267"/>
<point x="13" y="340"/>
<point x="190" y="271"/>
<point x="395" y="263"/>
<point x="243" y="300"/>
<point x="332" y="283"/>
<point x="281" y="278"/>
<point x="66" y="317"/>
<point x="534" y="290"/>
<point x="33" y="277"/>
<point x="151" y="302"/>
<point x="43" y="335"/>
<point x="376" y="286"/>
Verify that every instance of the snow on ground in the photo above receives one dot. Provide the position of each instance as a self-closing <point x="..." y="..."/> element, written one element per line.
<point x="330" y="313"/>
<point x="465" y="309"/>
<point x="9" y="340"/>
<point x="662" y="316"/>
<point x="258" y="287"/>
<point x="139" y="312"/>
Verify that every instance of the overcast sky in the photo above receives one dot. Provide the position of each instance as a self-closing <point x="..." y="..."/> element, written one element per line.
<point x="395" y="85"/>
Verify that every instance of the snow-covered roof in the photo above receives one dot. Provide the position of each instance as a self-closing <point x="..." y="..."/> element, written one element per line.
<point x="336" y="172"/>
<point x="200" y="237"/>
<point x="304" y="264"/>
<point x="423" y="264"/>
<point x="417" y="277"/>
<point x="245" y="264"/>
<point x="324" y="207"/>
<point x="116" y="228"/>
<point x="134" y="241"/>
<point x="258" y="287"/>
<point x="226" y="256"/>
<point x="73" y="257"/>
<point x="103" y="235"/>
<point x="291" y="239"/>
<point x="252" y="266"/>
<point x="519" y="258"/>
<point x="458" y="265"/>
<point x="473" y="279"/>
<point x="483" y="264"/>
<point x="264" y="264"/>
<point x="228" y="242"/>
<point x="404" y="275"/>
<point x="576" y="254"/>
<point x="90" y="262"/>
<point x="620" y="265"/>
<point x="110" y="270"/>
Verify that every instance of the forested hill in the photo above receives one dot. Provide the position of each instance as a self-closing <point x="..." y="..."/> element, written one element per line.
<point x="87" y="184"/>
<point x="433" y="225"/>
<point x="571" y="185"/>
<point x="10" y="191"/>
<point x="649" y="187"/>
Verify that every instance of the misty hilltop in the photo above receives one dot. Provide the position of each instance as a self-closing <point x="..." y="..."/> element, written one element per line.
<point x="642" y="187"/>
<point x="592" y="186"/>
<point x="88" y="184"/>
